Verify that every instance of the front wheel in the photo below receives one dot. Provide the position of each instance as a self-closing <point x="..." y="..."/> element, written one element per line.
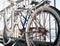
<point x="43" y="26"/>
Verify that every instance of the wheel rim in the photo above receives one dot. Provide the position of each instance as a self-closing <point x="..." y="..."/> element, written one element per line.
<point x="29" y="34"/>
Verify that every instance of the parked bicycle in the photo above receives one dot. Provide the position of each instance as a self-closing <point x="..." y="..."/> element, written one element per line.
<point x="32" y="22"/>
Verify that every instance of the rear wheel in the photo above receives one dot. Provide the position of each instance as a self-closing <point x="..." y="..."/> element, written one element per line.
<point x="43" y="26"/>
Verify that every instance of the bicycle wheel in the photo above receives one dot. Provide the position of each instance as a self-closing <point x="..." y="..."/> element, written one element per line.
<point x="43" y="27"/>
<point x="14" y="26"/>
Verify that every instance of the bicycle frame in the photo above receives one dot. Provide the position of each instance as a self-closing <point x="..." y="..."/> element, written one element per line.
<point x="28" y="10"/>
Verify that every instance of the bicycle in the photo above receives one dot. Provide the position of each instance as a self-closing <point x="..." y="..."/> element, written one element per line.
<point x="34" y="30"/>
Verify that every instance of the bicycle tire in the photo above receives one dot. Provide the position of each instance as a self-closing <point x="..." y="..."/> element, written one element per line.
<point x="50" y="9"/>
